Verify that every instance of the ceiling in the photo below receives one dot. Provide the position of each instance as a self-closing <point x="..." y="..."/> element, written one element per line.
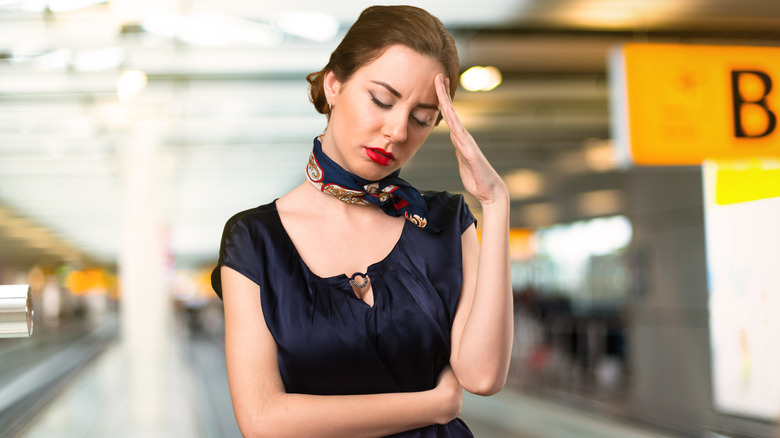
<point x="227" y="115"/>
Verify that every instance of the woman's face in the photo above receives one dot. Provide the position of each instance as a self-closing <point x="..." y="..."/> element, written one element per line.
<point x="383" y="113"/>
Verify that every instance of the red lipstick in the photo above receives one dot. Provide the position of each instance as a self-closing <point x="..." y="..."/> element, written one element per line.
<point x="380" y="156"/>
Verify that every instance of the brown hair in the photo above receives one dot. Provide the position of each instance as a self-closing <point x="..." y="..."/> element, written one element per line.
<point x="376" y="29"/>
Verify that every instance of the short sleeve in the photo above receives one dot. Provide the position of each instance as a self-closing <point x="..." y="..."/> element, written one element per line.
<point x="466" y="217"/>
<point x="239" y="251"/>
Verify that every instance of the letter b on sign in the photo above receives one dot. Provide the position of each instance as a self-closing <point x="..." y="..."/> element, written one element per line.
<point x="749" y="102"/>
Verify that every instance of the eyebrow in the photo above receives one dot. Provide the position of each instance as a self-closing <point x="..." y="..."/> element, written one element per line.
<point x="396" y="93"/>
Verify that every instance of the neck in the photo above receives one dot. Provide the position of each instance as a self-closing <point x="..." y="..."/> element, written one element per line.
<point x="316" y="200"/>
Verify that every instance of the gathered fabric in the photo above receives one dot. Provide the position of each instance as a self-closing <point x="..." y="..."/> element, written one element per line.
<point x="392" y="194"/>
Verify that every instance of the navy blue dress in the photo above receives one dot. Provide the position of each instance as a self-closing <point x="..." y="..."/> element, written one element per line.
<point x="331" y="342"/>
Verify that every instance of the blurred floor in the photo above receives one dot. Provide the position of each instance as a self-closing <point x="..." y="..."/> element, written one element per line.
<point x="95" y="403"/>
<point x="510" y="414"/>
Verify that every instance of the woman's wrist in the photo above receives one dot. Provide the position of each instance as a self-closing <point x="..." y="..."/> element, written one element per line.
<point x="445" y="407"/>
<point x="499" y="196"/>
<point x="447" y="399"/>
<point x="497" y="205"/>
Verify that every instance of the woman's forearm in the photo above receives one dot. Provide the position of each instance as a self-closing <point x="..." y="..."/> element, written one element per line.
<point x="371" y="415"/>
<point x="481" y="361"/>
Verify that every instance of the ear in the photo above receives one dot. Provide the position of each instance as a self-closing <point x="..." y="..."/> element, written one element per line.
<point x="332" y="86"/>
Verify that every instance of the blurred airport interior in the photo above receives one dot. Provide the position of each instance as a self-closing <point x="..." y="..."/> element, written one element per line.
<point x="646" y="300"/>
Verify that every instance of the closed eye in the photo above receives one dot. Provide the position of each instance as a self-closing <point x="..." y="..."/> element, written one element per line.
<point x="421" y="123"/>
<point x="379" y="103"/>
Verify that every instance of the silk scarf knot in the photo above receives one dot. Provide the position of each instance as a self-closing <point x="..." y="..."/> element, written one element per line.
<point x="392" y="194"/>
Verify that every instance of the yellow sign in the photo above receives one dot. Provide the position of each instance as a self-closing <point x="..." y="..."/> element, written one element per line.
<point x="746" y="180"/>
<point x="682" y="104"/>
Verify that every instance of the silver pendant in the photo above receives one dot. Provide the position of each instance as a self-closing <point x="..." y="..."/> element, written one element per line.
<point x="357" y="285"/>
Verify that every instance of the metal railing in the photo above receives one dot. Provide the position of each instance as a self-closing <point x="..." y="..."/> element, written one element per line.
<point x="16" y="312"/>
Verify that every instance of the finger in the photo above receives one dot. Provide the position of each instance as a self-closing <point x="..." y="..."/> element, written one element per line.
<point x="451" y="116"/>
<point x="445" y="100"/>
<point x="445" y="105"/>
<point x="442" y="93"/>
<point x="458" y="133"/>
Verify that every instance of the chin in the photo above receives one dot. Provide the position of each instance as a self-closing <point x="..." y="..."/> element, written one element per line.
<point x="375" y="174"/>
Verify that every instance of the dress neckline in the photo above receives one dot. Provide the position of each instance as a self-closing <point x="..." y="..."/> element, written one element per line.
<point x="342" y="279"/>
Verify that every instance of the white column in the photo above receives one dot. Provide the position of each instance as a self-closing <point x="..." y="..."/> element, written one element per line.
<point x="145" y="302"/>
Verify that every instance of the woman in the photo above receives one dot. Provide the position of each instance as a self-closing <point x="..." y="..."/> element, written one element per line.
<point x="355" y="306"/>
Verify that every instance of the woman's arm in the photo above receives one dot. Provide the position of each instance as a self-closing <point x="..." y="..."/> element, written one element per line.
<point x="263" y="408"/>
<point x="482" y="329"/>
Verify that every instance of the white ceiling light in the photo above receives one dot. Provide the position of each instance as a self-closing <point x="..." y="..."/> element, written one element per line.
<point x="32" y="5"/>
<point x="164" y="25"/>
<point x="71" y="5"/>
<point x="212" y="29"/>
<point x="480" y="78"/>
<point x="131" y="82"/>
<point x="315" y="26"/>
<point x="97" y="60"/>
<point x="51" y="5"/>
<point x="209" y="29"/>
<point x="54" y="60"/>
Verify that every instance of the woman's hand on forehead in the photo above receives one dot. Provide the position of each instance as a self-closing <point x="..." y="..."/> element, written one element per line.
<point x="478" y="176"/>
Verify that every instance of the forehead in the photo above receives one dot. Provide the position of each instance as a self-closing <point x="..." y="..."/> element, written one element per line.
<point x="404" y="69"/>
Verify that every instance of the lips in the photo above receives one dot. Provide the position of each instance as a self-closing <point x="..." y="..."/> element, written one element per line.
<point x="380" y="156"/>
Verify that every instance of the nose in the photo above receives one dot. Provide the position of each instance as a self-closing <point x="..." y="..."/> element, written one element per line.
<point x="395" y="127"/>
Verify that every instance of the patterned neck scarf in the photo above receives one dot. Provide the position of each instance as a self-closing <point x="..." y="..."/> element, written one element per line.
<point x="393" y="195"/>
